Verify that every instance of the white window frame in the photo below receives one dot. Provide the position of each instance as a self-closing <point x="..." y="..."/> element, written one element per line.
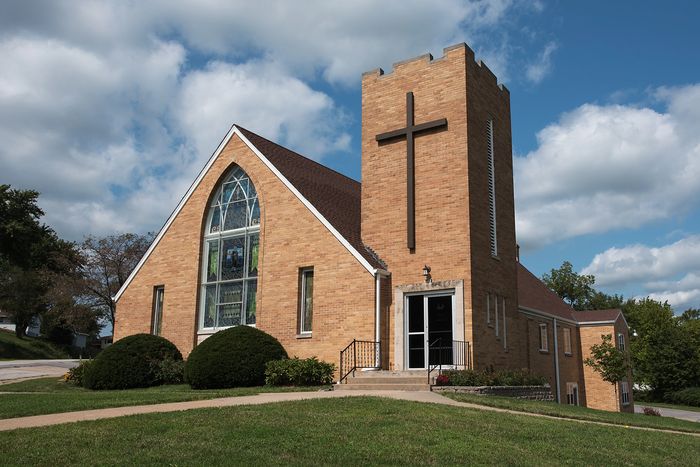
<point x="544" y="338"/>
<point x="567" y="341"/>
<point x="503" y="311"/>
<point x="572" y="394"/>
<point x="495" y="309"/>
<point x="303" y="274"/>
<point x="488" y="309"/>
<point x="624" y="393"/>
<point x="246" y="232"/>
<point x="621" y="341"/>
<point x="157" y="316"/>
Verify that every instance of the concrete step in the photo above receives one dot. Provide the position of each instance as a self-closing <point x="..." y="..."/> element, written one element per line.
<point x="390" y="374"/>
<point x="388" y="380"/>
<point x="381" y="387"/>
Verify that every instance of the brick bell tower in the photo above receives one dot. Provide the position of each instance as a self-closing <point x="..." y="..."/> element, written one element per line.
<point x="437" y="191"/>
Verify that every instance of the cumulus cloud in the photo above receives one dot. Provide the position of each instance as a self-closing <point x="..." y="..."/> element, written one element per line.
<point x="265" y="99"/>
<point x="538" y="70"/>
<point x="667" y="272"/>
<point x="110" y="108"/>
<point x="606" y="167"/>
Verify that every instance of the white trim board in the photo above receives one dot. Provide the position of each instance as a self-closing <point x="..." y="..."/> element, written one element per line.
<point x="235" y="131"/>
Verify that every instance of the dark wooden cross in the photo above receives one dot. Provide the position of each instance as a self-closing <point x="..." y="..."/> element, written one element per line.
<point x="410" y="131"/>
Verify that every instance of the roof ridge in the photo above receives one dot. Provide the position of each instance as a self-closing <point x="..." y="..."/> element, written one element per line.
<point x="300" y="155"/>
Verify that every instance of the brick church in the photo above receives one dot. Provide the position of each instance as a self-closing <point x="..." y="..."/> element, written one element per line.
<point x="415" y="266"/>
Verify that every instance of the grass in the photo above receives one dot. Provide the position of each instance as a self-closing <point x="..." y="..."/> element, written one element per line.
<point x="664" y="405"/>
<point x="347" y="431"/>
<point x="49" y="395"/>
<point x="13" y="348"/>
<point x="579" y="413"/>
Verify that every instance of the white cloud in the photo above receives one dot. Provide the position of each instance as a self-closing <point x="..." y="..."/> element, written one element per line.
<point x="537" y="71"/>
<point x="601" y="168"/>
<point x="667" y="272"/>
<point x="263" y="98"/>
<point x="110" y="109"/>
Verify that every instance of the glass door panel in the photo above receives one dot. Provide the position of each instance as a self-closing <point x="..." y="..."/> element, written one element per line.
<point x="416" y="331"/>
<point x="440" y="329"/>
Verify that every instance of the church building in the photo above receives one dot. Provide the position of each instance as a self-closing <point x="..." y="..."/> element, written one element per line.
<point x="417" y="265"/>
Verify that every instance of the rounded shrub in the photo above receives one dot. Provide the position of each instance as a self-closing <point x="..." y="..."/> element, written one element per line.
<point x="232" y="358"/>
<point x="132" y="362"/>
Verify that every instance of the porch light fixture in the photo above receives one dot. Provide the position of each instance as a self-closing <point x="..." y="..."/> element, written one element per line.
<point x="426" y="274"/>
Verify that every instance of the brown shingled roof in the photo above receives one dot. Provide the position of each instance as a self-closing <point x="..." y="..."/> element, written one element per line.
<point x="533" y="294"/>
<point x="335" y="196"/>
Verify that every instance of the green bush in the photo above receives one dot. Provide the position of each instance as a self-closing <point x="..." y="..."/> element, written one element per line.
<point x="132" y="362"/>
<point x="76" y="375"/>
<point x="491" y="378"/>
<point x="232" y="358"/>
<point x="171" y="371"/>
<point x="299" y="372"/>
<point x="688" y="396"/>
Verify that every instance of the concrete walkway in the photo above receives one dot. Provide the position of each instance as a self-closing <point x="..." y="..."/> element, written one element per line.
<point x="267" y="398"/>
<point x="666" y="412"/>
<point x="18" y="370"/>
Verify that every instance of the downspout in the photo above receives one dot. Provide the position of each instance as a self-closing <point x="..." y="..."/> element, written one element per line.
<point x="377" y="318"/>
<point x="556" y="361"/>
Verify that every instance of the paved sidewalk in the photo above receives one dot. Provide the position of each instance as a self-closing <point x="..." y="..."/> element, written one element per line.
<point x="666" y="412"/>
<point x="267" y="398"/>
<point x="15" y="370"/>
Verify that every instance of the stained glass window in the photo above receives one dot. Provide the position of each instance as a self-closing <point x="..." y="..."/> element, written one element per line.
<point x="231" y="254"/>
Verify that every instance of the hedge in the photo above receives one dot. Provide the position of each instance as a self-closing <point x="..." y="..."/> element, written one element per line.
<point x="232" y="358"/>
<point x="132" y="362"/>
<point x="299" y="372"/>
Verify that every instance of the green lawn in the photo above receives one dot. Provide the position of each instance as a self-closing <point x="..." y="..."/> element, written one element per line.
<point x="347" y="431"/>
<point x="12" y="348"/>
<point x="579" y="413"/>
<point x="49" y="395"/>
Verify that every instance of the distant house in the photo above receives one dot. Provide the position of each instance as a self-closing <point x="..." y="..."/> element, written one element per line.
<point x="6" y="322"/>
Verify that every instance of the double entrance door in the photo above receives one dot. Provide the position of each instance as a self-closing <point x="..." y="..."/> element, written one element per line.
<point x="429" y="329"/>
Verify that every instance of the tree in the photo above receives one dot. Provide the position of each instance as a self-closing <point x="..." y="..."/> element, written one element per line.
<point x="32" y="257"/>
<point x="108" y="263"/>
<point x="575" y="289"/>
<point x="664" y="352"/>
<point x="609" y="361"/>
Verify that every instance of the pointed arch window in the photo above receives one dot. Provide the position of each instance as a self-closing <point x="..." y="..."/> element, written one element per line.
<point x="231" y="248"/>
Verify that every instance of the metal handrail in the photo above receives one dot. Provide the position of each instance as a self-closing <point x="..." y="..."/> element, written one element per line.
<point x="456" y="359"/>
<point x="369" y="357"/>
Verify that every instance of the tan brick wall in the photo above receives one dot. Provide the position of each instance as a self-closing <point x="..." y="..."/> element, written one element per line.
<point x="601" y="394"/>
<point x="291" y="238"/>
<point x="448" y="188"/>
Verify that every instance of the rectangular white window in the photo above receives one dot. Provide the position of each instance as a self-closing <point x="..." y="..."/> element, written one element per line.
<point x="488" y="309"/>
<point x="621" y="341"/>
<point x="306" y="300"/>
<point x="503" y="311"/>
<point x="625" y="392"/>
<point x="157" y="318"/>
<point x="567" y="340"/>
<point x="495" y="311"/>
<point x="492" y="188"/>
<point x="572" y="393"/>
<point x="544" y="343"/>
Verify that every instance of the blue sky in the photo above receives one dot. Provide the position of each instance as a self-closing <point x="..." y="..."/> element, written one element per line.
<point x="111" y="108"/>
